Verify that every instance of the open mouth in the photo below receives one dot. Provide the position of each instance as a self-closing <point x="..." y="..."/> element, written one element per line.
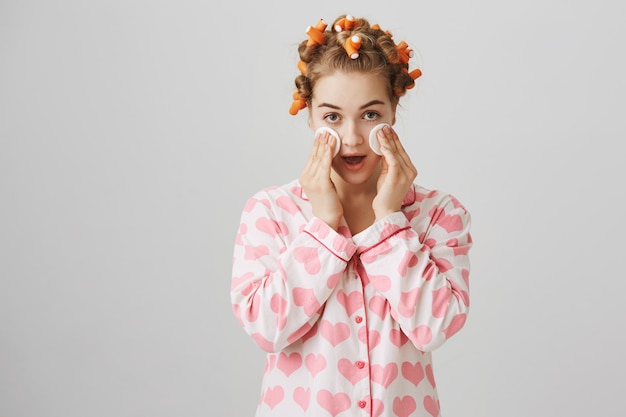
<point x="353" y="160"/>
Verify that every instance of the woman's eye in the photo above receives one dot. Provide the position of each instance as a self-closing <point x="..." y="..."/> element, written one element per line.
<point x="331" y="118"/>
<point x="371" y="115"/>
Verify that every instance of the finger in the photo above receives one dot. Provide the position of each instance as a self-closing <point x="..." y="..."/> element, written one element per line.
<point x="403" y="155"/>
<point x="312" y="166"/>
<point x="393" y="140"/>
<point x="324" y="162"/>
<point x="312" y="155"/>
<point x="387" y="148"/>
<point x="384" y="167"/>
<point x="332" y="144"/>
<point x="321" y="158"/>
<point x="397" y="148"/>
<point x="320" y="143"/>
<point x="327" y="146"/>
<point x="399" y="165"/>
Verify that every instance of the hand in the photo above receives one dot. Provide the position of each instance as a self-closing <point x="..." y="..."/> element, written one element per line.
<point x="316" y="182"/>
<point x="396" y="176"/>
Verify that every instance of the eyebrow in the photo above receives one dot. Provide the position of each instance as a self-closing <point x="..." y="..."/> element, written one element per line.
<point x="368" y="104"/>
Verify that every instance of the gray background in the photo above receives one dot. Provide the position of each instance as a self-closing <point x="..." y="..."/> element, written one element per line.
<point x="132" y="132"/>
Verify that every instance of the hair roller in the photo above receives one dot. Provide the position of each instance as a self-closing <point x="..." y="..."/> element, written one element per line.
<point x="316" y="33"/>
<point x="352" y="46"/>
<point x="404" y="52"/>
<point x="346" y="23"/>
<point x="415" y="74"/>
<point x="302" y="67"/>
<point x="376" y="26"/>
<point x="298" y="103"/>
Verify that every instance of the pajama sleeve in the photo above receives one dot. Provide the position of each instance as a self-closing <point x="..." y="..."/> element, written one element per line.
<point x="423" y="275"/>
<point x="284" y="269"/>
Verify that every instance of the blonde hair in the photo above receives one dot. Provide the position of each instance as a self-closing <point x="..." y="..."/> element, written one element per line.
<point x="377" y="54"/>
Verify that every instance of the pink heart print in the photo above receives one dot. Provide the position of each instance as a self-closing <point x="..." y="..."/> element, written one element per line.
<point x="334" y="404"/>
<point x="384" y="375"/>
<point x="273" y="396"/>
<point x="431" y="406"/>
<point x="403" y="407"/>
<point x="302" y="396"/>
<point x="351" y="302"/>
<point x="351" y="370"/>
<point x="413" y="372"/>
<point x="309" y="257"/>
<point x="315" y="363"/>
<point x="289" y="364"/>
<point x="334" y="333"/>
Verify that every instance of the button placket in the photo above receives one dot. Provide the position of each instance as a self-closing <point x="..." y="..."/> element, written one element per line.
<point x="362" y="390"/>
<point x="363" y="366"/>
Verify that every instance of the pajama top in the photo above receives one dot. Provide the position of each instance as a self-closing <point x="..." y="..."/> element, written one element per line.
<point x="348" y="321"/>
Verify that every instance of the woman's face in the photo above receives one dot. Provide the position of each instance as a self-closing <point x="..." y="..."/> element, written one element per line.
<point x="352" y="104"/>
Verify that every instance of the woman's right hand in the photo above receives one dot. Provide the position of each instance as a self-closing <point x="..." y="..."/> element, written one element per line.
<point x="316" y="182"/>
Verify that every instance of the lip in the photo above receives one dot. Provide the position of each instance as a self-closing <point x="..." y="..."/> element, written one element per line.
<point x="353" y="167"/>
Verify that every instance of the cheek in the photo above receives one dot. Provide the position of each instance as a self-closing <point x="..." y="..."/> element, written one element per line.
<point x="375" y="160"/>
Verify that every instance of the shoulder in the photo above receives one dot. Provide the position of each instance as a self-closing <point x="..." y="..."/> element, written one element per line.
<point x="419" y="196"/>
<point x="291" y="190"/>
<point x="423" y="202"/>
<point x="437" y="215"/>
<point x="288" y="197"/>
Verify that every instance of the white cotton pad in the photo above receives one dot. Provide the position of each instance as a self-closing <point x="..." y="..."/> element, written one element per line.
<point x="374" y="144"/>
<point x="333" y="133"/>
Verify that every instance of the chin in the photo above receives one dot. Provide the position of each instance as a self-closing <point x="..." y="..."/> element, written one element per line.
<point x="355" y="178"/>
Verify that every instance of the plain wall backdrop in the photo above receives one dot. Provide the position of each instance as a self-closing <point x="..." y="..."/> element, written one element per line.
<point x="132" y="132"/>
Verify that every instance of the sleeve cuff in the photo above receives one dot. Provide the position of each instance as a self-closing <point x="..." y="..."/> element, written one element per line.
<point x="339" y="245"/>
<point x="381" y="230"/>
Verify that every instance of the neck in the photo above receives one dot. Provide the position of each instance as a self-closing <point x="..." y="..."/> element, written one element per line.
<point x="347" y="191"/>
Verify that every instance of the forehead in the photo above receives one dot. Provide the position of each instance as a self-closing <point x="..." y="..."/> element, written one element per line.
<point x="350" y="89"/>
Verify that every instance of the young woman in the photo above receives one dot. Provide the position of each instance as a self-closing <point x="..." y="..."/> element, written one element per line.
<point x="352" y="274"/>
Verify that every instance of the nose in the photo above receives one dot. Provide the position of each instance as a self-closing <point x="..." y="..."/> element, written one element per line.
<point x="352" y="136"/>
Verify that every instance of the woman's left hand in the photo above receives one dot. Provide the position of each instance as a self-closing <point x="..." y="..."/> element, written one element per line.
<point x="396" y="176"/>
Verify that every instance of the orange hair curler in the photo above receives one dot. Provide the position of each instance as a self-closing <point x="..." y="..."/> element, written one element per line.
<point x="298" y="103"/>
<point x="352" y="46"/>
<point x="404" y="52"/>
<point x="302" y="67"/>
<point x="346" y="23"/>
<point x="377" y="27"/>
<point x="316" y="33"/>
<point x="415" y="74"/>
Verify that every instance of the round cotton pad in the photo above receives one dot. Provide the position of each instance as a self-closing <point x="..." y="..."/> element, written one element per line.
<point x="374" y="140"/>
<point x="333" y="133"/>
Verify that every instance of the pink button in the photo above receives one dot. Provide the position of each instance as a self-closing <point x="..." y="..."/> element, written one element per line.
<point x="362" y="404"/>
<point x="360" y="364"/>
<point x="358" y="319"/>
